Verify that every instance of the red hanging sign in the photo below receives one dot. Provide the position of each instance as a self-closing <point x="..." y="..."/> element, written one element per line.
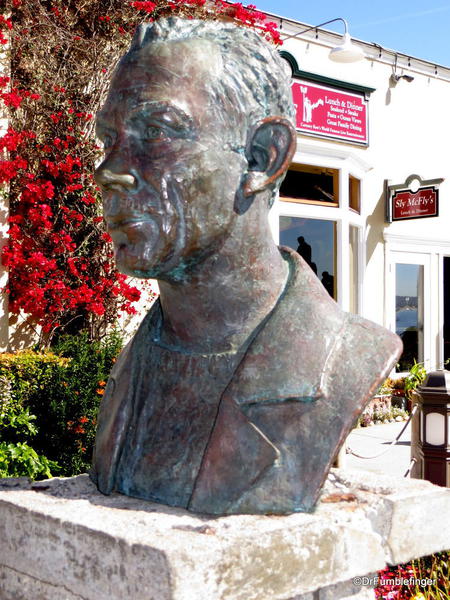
<point x="327" y="112"/>
<point x="413" y="205"/>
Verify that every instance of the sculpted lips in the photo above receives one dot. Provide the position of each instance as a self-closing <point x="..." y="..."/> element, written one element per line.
<point x="122" y="212"/>
<point x="127" y="223"/>
<point x="130" y="230"/>
<point x="125" y="219"/>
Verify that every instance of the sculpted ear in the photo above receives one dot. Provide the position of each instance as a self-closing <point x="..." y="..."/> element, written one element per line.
<point x="269" y="151"/>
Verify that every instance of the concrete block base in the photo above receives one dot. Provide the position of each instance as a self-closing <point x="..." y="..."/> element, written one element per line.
<point x="62" y="539"/>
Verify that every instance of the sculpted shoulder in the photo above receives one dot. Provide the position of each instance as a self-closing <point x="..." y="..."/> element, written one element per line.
<point x="308" y="337"/>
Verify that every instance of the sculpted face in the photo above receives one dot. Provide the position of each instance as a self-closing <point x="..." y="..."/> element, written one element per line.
<point x="169" y="175"/>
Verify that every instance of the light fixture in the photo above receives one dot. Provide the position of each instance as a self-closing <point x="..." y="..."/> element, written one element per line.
<point x="395" y="78"/>
<point x="346" y="51"/>
<point x="434" y="428"/>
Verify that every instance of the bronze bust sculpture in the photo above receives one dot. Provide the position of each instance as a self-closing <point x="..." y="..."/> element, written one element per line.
<point x="245" y="377"/>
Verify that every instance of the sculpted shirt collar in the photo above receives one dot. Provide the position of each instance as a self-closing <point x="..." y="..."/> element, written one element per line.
<point x="291" y="327"/>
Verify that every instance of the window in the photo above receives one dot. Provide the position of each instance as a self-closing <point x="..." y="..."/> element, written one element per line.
<point x="318" y="214"/>
<point x="311" y="185"/>
<point x="409" y="313"/>
<point x="354" y="194"/>
<point x="315" y="241"/>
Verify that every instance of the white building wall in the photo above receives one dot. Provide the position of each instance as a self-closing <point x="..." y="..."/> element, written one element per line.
<point x="409" y="133"/>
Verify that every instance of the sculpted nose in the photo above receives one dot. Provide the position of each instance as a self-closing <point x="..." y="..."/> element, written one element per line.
<point x="108" y="180"/>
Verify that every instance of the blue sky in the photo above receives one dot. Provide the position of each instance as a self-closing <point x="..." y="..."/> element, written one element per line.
<point x="413" y="27"/>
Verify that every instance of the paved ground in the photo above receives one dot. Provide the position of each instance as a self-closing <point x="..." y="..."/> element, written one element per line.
<point x="368" y="441"/>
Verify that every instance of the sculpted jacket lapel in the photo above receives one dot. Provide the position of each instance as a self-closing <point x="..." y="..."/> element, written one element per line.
<point x="113" y="419"/>
<point x="118" y="403"/>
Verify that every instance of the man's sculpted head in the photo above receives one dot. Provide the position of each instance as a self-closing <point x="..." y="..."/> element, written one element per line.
<point x="197" y="123"/>
<point x="216" y="403"/>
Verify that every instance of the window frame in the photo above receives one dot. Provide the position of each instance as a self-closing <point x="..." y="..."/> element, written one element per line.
<point x="341" y="215"/>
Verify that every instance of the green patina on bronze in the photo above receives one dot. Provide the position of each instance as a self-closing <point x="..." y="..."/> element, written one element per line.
<point x="244" y="379"/>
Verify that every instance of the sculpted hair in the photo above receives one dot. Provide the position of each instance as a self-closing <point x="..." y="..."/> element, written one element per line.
<point x="255" y="80"/>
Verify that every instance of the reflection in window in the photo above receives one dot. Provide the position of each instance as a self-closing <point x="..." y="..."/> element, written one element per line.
<point x="314" y="240"/>
<point x="409" y="313"/>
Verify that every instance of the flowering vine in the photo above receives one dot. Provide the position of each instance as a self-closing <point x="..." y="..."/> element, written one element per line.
<point x="59" y="256"/>
<point x="213" y="9"/>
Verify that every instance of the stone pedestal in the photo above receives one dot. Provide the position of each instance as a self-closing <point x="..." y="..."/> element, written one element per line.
<point x="61" y="539"/>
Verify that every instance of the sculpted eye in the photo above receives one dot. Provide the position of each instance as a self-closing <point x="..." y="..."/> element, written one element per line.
<point x="108" y="140"/>
<point x="154" y="133"/>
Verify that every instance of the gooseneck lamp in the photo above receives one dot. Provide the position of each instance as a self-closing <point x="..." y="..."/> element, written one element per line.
<point x="346" y="51"/>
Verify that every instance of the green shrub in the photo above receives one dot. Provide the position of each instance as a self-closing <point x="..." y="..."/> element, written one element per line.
<point x="60" y="391"/>
<point x="28" y="372"/>
<point x="75" y="400"/>
<point x="18" y="458"/>
<point x="416" y="376"/>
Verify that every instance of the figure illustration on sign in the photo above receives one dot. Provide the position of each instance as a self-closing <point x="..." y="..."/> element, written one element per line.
<point x="308" y="106"/>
